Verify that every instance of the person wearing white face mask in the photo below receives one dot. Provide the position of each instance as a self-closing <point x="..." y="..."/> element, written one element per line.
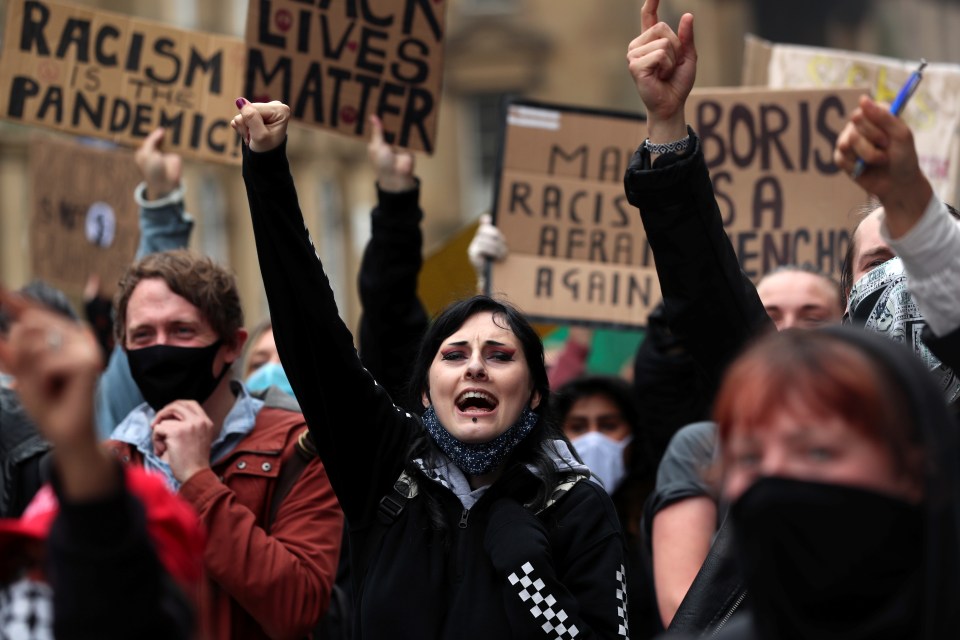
<point x="601" y="417"/>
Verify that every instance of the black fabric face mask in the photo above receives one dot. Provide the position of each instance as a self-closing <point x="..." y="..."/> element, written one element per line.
<point x="828" y="561"/>
<point x="165" y="373"/>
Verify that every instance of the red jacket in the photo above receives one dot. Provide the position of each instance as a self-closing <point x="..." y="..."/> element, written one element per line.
<point x="262" y="584"/>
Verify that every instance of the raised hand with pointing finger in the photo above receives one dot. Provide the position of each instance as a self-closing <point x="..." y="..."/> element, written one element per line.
<point x="394" y="167"/>
<point x="663" y="64"/>
<point x="160" y="170"/>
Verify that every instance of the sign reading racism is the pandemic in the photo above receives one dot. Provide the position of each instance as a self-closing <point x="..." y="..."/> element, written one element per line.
<point x="335" y="63"/>
<point x="84" y="219"/>
<point x="577" y="247"/>
<point x="107" y="75"/>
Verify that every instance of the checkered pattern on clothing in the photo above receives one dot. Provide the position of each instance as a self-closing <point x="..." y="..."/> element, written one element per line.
<point x="532" y="591"/>
<point x="26" y="611"/>
<point x="432" y="473"/>
<point x="624" y="629"/>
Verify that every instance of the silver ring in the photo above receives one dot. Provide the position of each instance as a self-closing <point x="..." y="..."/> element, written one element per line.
<point x="54" y="340"/>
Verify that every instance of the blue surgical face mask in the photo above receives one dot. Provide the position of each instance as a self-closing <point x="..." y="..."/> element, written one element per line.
<point x="269" y="375"/>
<point x="604" y="456"/>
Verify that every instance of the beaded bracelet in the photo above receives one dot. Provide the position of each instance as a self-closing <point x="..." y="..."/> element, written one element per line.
<point x="678" y="146"/>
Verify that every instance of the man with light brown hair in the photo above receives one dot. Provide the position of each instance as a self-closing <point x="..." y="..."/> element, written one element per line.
<point x="244" y="462"/>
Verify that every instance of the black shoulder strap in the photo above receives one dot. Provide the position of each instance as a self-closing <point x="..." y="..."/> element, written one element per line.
<point x="391" y="506"/>
<point x="290" y="472"/>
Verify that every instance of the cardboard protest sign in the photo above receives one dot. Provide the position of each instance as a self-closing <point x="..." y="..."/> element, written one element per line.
<point x="111" y="76"/>
<point x="933" y="113"/>
<point x="577" y="247"/>
<point x="770" y="155"/>
<point x="335" y="63"/>
<point x="84" y="218"/>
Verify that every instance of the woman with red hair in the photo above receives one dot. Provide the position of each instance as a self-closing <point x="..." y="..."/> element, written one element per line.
<point x="838" y="454"/>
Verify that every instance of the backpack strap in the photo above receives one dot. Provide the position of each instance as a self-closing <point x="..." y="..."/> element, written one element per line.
<point x="391" y="506"/>
<point x="290" y="472"/>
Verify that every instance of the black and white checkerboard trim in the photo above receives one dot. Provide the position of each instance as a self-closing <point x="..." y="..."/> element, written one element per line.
<point x="532" y="590"/>
<point x="624" y="629"/>
<point x="26" y="611"/>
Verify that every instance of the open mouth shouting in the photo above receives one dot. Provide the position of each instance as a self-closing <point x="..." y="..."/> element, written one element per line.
<point x="476" y="403"/>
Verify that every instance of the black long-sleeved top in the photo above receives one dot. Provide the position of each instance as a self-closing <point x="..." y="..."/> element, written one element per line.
<point x="483" y="576"/>
<point x="393" y="319"/>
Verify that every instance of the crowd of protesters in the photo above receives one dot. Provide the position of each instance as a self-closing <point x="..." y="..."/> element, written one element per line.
<point x="783" y="463"/>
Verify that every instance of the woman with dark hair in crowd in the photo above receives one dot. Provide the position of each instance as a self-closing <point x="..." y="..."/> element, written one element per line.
<point x="472" y="521"/>
<point x="839" y="456"/>
<point x="601" y="417"/>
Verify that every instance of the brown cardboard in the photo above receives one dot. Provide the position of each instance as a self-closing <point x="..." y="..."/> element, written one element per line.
<point x="756" y="61"/>
<point x="84" y="218"/>
<point x="933" y="113"/>
<point x="770" y="152"/>
<point x="335" y="65"/>
<point x="577" y="249"/>
<point x="110" y="76"/>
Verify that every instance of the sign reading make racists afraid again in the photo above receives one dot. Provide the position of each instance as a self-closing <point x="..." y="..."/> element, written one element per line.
<point x="103" y="74"/>
<point x="334" y="63"/>
<point x="577" y="247"/>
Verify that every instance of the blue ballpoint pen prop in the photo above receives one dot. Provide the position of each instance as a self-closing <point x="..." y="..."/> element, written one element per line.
<point x="897" y="107"/>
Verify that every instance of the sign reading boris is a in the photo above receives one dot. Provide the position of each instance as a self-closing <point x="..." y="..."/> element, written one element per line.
<point x="335" y="63"/>
<point x="107" y="75"/>
<point x="770" y="156"/>
<point x="577" y="247"/>
<point x="84" y="217"/>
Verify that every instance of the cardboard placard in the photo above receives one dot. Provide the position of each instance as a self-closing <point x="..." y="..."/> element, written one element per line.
<point x="933" y="113"/>
<point x="577" y="247"/>
<point x="103" y="74"/>
<point x="334" y="63"/>
<point x="84" y="218"/>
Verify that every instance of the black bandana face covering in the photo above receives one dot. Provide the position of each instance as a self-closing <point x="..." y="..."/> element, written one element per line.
<point x="479" y="458"/>
<point x="165" y="373"/>
<point x="828" y="561"/>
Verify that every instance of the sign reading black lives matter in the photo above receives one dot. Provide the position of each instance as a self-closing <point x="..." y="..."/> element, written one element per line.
<point x="577" y="247"/>
<point x="107" y="75"/>
<point x="84" y="217"/>
<point x="334" y="63"/>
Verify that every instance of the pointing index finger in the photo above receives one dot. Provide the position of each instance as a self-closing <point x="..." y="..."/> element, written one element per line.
<point x="376" y="131"/>
<point x="648" y="14"/>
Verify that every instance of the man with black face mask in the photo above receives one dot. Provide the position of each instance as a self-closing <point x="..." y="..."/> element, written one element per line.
<point x="244" y="463"/>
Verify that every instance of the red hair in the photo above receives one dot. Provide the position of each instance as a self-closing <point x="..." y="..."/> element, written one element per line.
<point x="820" y="374"/>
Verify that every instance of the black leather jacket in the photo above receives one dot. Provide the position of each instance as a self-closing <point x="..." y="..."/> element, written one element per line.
<point x="22" y="456"/>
